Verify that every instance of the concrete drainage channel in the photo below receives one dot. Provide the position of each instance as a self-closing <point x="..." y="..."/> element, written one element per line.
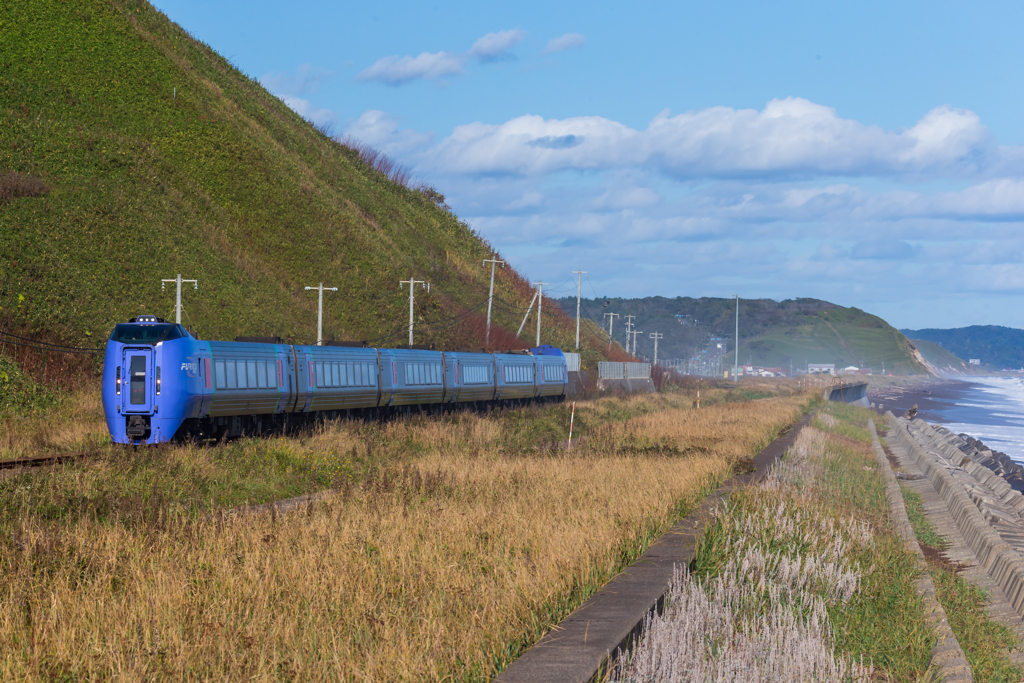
<point x="577" y="649"/>
<point x="975" y="509"/>
<point x="947" y="657"/>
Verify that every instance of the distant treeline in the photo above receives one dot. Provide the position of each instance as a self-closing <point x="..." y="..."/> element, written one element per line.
<point x="992" y="344"/>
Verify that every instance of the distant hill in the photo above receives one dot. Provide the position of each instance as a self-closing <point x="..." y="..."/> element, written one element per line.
<point x="130" y="152"/>
<point x="947" y="363"/>
<point x="997" y="346"/>
<point x="782" y="334"/>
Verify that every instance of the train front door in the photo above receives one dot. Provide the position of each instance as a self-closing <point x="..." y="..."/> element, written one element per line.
<point x="138" y="390"/>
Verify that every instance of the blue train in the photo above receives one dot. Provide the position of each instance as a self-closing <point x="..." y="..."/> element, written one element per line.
<point x="161" y="383"/>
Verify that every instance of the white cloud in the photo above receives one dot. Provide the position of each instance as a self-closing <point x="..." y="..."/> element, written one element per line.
<point x="382" y="131"/>
<point x="788" y="201"/>
<point x="569" y="40"/>
<point x="790" y="137"/>
<point x="618" y="197"/>
<point x="305" y="81"/>
<point x="529" y="200"/>
<point x="397" y="70"/>
<point x="495" y="46"/>
<point x="305" y="109"/>
<point x="997" y="198"/>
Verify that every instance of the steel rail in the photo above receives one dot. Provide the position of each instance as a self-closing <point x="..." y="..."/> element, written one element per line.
<point x="40" y="460"/>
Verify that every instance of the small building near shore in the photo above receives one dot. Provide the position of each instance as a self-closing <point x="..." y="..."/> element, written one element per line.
<point x="821" y="368"/>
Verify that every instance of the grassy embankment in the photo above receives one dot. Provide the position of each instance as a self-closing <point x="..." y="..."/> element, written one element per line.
<point x="802" y="576"/>
<point x="157" y="156"/>
<point x="443" y="547"/>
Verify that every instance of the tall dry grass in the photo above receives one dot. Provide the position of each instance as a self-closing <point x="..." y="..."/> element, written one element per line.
<point x="77" y="424"/>
<point x="442" y="565"/>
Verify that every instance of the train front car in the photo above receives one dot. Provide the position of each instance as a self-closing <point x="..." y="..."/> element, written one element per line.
<point x="552" y="372"/>
<point x="151" y="379"/>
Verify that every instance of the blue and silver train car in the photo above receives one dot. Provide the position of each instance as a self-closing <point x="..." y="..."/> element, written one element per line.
<point x="160" y="382"/>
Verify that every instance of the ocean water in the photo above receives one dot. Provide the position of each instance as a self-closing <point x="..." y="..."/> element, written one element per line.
<point x="989" y="409"/>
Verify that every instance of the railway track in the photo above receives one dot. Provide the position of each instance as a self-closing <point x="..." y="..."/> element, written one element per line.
<point x="40" y="460"/>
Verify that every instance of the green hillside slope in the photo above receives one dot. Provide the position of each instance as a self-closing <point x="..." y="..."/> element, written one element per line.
<point x="130" y="152"/>
<point x="945" y="362"/>
<point x="772" y="333"/>
<point x="996" y="346"/>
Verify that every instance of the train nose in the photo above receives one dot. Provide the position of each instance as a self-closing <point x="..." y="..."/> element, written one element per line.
<point x="138" y="403"/>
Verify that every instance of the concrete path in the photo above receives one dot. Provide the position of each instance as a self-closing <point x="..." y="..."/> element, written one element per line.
<point x="578" y="648"/>
<point x="947" y="660"/>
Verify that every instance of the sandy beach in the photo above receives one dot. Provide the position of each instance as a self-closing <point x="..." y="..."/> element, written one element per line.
<point x="928" y="395"/>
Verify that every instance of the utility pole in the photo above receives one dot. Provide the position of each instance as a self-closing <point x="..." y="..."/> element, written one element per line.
<point x="540" y="300"/>
<point x="635" y="334"/>
<point x="320" y="312"/>
<point x="412" y="282"/>
<point x="177" y="301"/>
<point x="526" y="317"/>
<point x="656" y="336"/>
<point x="490" y="297"/>
<point x="579" y="281"/>
<point x="611" y="322"/>
<point x="736" y="365"/>
<point x="629" y="329"/>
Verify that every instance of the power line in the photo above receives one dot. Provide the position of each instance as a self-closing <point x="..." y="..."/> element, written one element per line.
<point x="51" y="348"/>
<point x="444" y="322"/>
<point x="55" y="346"/>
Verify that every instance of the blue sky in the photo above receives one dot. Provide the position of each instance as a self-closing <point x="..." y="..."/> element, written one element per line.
<point x="866" y="153"/>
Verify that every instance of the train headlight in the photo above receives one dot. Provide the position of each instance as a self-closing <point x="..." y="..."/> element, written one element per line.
<point x="119" y="380"/>
<point x="158" y="380"/>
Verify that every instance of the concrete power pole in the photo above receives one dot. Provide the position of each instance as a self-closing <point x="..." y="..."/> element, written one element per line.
<point x="629" y="329"/>
<point x="177" y="301"/>
<point x="527" y="316"/>
<point x="656" y="336"/>
<point x="736" y="364"/>
<point x="611" y="322"/>
<point x="540" y="300"/>
<point x="635" y="334"/>
<point x="490" y="297"/>
<point x="579" y="281"/>
<point x="412" y="282"/>
<point x="320" y="312"/>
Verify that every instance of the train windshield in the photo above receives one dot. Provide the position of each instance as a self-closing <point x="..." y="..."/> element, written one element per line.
<point x="131" y="333"/>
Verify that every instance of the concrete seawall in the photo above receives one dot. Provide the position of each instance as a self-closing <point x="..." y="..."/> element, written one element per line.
<point x="986" y="510"/>
<point x="855" y="393"/>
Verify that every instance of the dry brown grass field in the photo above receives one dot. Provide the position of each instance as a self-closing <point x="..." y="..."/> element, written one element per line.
<point x="440" y="549"/>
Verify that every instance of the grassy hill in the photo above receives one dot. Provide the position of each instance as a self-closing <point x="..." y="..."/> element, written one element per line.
<point x="947" y="363"/>
<point x="772" y="333"/>
<point x="130" y="152"/>
<point x="997" y="347"/>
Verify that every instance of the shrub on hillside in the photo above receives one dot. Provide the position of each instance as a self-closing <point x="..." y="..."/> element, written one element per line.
<point x="14" y="185"/>
<point x="19" y="393"/>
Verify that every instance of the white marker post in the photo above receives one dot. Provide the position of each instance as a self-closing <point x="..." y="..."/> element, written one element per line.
<point x="572" y="417"/>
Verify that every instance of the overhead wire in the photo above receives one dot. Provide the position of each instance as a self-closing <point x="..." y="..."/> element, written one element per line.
<point x="445" y="322"/>
<point x="36" y="343"/>
<point x="89" y="352"/>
